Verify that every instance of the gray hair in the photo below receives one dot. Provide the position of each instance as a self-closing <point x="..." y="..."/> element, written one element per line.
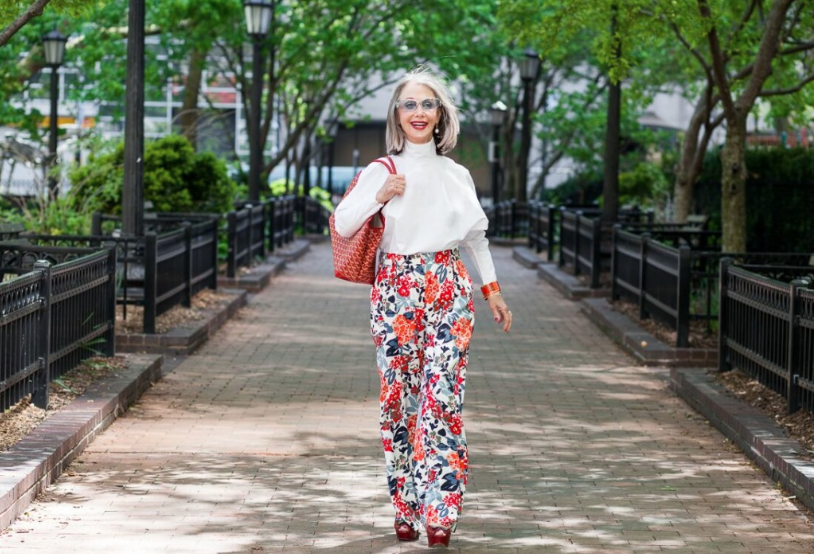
<point x="448" y="124"/>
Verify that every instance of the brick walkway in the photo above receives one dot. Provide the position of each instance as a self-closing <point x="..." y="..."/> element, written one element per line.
<point x="266" y="440"/>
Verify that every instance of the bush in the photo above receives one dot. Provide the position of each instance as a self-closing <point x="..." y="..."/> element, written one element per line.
<point x="779" y="198"/>
<point x="176" y="179"/>
<point x="582" y="189"/>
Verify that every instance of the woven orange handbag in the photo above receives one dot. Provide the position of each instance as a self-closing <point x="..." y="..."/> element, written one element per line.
<point x="355" y="257"/>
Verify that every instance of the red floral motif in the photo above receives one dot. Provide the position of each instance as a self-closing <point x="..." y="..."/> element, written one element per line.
<point x="404" y="328"/>
<point x="388" y="445"/>
<point x="462" y="330"/>
<point x="431" y="288"/>
<point x="442" y="257"/>
<point x="399" y="363"/>
<point x="459" y="265"/>
<point x="453" y="500"/>
<point x="456" y="425"/>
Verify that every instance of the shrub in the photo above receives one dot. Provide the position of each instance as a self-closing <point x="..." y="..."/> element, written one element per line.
<point x="176" y="179"/>
<point x="779" y="198"/>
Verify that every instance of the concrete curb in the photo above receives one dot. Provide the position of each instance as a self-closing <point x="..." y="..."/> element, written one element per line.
<point x="567" y="284"/>
<point x="294" y="250"/>
<point x="757" y="435"/>
<point x="38" y="460"/>
<point x="257" y="278"/>
<point x="646" y="348"/>
<point x="526" y="257"/>
<point x="183" y="340"/>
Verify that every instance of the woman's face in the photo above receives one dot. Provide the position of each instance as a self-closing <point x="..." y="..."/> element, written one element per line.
<point x="418" y="125"/>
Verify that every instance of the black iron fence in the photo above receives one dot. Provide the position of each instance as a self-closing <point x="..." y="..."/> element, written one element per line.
<point x="511" y="219"/>
<point x="580" y="244"/>
<point x="52" y="318"/>
<point x="664" y="274"/>
<point x="282" y="221"/>
<point x="654" y="276"/>
<point x="543" y="228"/>
<point x="315" y="218"/>
<point x="767" y="328"/>
<point x="246" y="232"/>
<point x="155" y="271"/>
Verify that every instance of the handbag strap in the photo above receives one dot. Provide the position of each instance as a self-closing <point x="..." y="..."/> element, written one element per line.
<point x="388" y="162"/>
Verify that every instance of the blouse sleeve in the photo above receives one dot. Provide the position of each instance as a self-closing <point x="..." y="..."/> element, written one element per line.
<point x="360" y="204"/>
<point x="477" y="245"/>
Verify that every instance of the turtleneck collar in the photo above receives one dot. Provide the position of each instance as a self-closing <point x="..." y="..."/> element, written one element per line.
<point x="419" y="150"/>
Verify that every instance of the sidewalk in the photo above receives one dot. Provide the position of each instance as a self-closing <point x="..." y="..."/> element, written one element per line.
<point x="266" y="440"/>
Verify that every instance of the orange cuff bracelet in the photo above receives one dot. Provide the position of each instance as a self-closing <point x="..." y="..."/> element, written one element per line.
<point x="489" y="289"/>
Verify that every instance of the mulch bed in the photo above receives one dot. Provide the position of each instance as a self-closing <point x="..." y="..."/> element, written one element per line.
<point x="23" y="417"/>
<point x="176" y="317"/>
<point x="700" y="335"/>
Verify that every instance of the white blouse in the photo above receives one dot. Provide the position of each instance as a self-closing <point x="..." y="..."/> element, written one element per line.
<point x="439" y="209"/>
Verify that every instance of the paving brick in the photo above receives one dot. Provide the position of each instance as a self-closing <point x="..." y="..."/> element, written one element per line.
<point x="267" y="438"/>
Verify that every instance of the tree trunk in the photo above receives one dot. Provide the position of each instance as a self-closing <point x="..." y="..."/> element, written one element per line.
<point x="610" y="180"/>
<point x="190" y="114"/>
<point x="733" y="187"/>
<point x="685" y="174"/>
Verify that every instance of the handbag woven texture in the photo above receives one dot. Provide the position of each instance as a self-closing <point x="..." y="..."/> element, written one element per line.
<point x="355" y="257"/>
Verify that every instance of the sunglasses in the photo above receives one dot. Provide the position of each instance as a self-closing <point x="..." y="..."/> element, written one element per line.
<point x="427" y="105"/>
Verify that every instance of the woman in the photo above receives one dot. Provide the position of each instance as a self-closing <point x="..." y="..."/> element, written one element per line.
<point x="422" y="308"/>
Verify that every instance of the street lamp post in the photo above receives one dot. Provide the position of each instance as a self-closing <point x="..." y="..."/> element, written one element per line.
<point x="498" y="113"/>
<point x="258" y="21"/>
<point x="133" y="185"/>
<point x="529" y="66"/>
<point x="54" y="45"/>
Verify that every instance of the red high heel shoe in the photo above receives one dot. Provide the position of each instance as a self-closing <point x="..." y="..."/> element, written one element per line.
<point x="405" y="531"/>
<point x="438" y="536"/>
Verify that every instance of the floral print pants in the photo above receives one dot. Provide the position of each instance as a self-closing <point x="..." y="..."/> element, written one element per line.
<point x="421" y="316"/>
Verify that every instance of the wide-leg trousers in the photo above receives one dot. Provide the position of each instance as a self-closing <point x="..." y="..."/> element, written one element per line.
<point x="422" y="315"/>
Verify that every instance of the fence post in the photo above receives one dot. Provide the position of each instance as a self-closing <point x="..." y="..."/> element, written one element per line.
<point x="723" y="314"/>
<point x="793" y="390"/>
<point x="231" y="257"/>
<point x="614" y="260"/>
<point x="42" y="380"/>
<point x="270" y="224"/>
<point x="596" y="252"/>
<point x="263" y="227"/>
<point x="96" y="224"/>
<point x="552" y="223"/>
<point x="213" y="253"/>
<point x="642" y="276"/>
<point x="576" y="241"/>
<point x="533" y="225"/>
<point x="150" y="281"/>
<point x="683" y="300"/>
<point x="187" y="301"/>
<point x="110" y="300"/>
<point x="561" y="261"/>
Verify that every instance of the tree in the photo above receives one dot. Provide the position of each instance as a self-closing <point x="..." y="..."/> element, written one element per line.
<point x="742" y="54"/>
<point x="549" y="24"/>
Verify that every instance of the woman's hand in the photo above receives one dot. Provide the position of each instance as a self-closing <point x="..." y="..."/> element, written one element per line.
<point x="500" y="311"/>
<point x="393" y="186"/>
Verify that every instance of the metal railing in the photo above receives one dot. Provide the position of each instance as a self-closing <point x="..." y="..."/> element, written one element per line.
<point x="543" y="228"/>
<point x="511" y="219"/>
<point x="315" y="217"/>
<point x="767" y="329"/>
<point x="281" y="221"/>
<point x="52" y="318"/>
<point x="663" y="274"/>
<point x="156" y="271"/>
<point x="654" y="276"/>
<point x="246" y="232"/>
